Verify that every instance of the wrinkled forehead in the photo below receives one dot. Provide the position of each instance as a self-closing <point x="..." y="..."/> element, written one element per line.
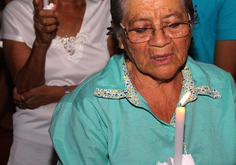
<point x="153" y="9"/>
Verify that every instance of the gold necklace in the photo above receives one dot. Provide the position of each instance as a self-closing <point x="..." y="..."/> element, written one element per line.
<point x="69" y="42"/>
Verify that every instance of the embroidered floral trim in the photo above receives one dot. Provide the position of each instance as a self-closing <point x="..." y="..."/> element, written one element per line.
<point x="188" y="85"/>
<point x="110" y="93"/>
<point x="132" y="94"/>
<point x="71" y="47"/>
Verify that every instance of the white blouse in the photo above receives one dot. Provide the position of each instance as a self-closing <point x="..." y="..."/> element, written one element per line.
<point x="62" y="68"/>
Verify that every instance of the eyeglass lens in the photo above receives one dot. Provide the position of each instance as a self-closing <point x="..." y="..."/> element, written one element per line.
<point x="175" y="30"/>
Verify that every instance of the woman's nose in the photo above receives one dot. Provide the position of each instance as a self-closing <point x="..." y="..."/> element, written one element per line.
<point x="159" y="38"/>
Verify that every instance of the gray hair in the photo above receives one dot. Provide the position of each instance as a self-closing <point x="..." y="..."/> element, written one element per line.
<point x="118" y="11"/>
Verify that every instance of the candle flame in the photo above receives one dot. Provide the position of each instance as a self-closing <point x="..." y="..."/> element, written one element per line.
<point x="185" y="98"/>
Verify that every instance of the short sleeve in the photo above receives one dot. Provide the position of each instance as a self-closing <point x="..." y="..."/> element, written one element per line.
<point x="17" y="22"/>
<point x="76" y="136"/>
<point x="226" y="24"/>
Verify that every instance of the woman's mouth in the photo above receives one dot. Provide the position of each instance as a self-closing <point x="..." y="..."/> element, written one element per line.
<point x="160" y="58"/>
<point x="164" y="59"/>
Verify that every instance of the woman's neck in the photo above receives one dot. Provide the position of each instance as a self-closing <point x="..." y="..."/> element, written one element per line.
<point x="161" y="96"/>
<point x="69" y="5"/>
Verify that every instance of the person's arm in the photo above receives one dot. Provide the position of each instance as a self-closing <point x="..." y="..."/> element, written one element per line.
<point x="225" y="45"/>
<point x="29" y="76"/>
<point x="225" y="56"/>
<point x="27" y="65"/>
<point x="41" y="95"/>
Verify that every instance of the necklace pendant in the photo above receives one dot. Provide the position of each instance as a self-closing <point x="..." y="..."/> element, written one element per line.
<point x="69" y="45"/>
<point x="66" y="38"/>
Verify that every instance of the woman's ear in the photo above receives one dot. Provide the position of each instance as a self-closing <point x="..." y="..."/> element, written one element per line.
<point x="121" y="46"/>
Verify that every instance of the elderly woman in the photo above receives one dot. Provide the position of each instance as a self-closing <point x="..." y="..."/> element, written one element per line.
<point x="125" y="114"/>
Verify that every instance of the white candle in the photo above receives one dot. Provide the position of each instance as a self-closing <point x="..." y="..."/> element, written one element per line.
<point x="179" y="131"/>
<point x="45" y="3"/>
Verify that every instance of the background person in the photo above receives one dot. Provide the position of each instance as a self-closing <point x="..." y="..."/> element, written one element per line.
<point x="214" y="36"/>
<point x="125" y="114"/>
<point x="49" y="54"/>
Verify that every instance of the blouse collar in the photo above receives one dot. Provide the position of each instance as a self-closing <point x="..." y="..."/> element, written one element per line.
<point x="131" y="93"/>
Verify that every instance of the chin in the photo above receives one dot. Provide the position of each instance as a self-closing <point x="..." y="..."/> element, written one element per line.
<point x="165" y="75"/>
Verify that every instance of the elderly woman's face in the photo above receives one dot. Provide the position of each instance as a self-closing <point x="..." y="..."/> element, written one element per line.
<point x="160" y="57"/>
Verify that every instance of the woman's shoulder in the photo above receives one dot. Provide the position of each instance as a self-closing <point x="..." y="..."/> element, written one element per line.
<point x="82" y="93"/>
<point x="208" y="73"/>
<point x="18" y="9"/>
<point x="202" y="67"/>
<point x="17" y="21"/>
<point x="19" y="5"/>
<point x="107" y="77"/>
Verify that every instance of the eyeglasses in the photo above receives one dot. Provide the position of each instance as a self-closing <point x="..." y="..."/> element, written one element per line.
<point x="144" y="34"/>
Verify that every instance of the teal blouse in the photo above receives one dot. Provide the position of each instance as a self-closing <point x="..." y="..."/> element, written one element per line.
<point x="106" y="121"/>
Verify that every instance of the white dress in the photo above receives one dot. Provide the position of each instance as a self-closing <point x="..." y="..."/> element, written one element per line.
<point x="32" y="144"/>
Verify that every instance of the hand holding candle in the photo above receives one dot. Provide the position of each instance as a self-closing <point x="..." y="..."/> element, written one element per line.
<point x="179" y="130"/>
